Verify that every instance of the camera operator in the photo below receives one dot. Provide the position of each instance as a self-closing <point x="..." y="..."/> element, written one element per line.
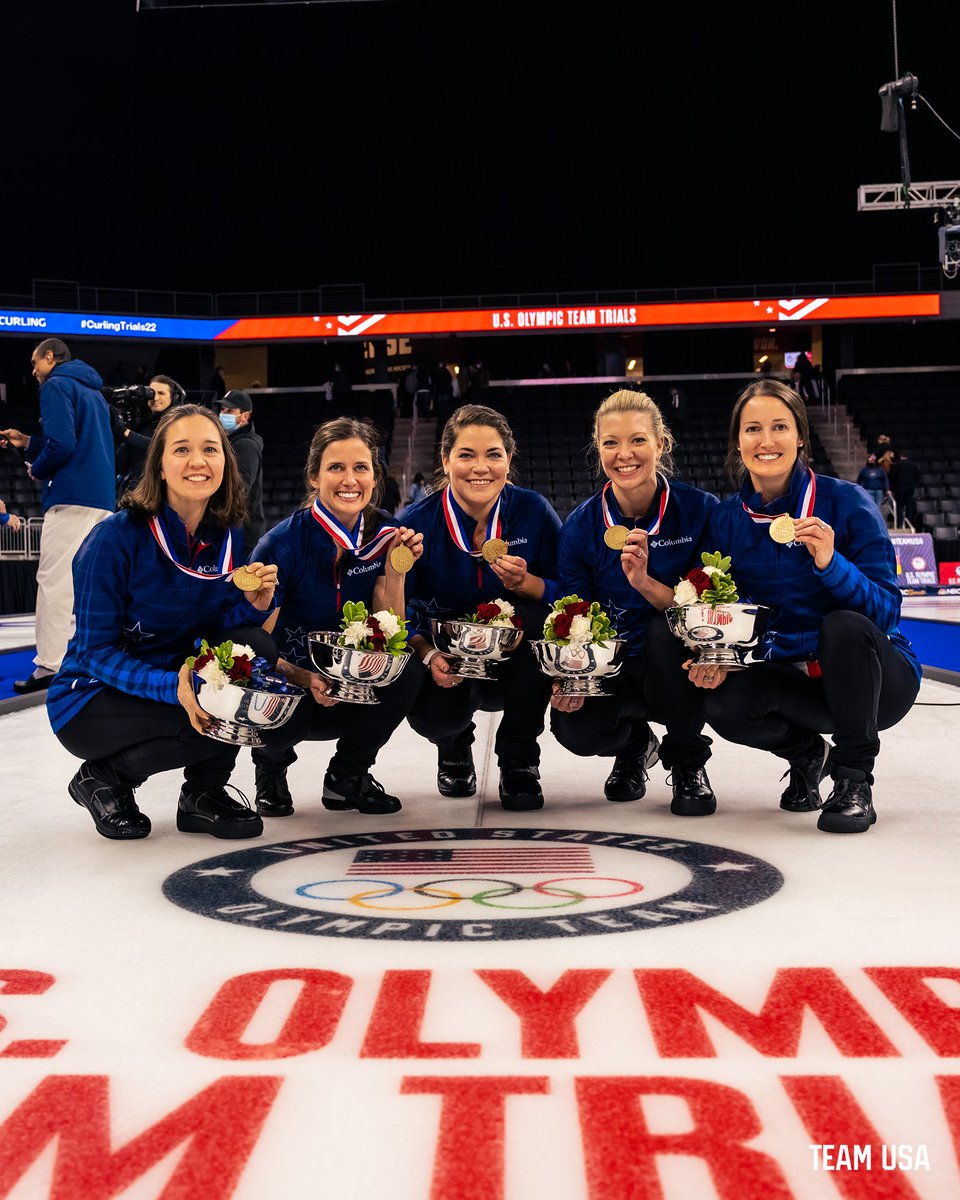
<point x="137" y="426"/>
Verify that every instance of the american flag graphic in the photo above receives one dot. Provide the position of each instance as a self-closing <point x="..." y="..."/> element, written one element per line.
<point x="520" y="860"/>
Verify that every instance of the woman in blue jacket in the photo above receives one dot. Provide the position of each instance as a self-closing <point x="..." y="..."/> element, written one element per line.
<point x="149" y="581"/>
<point x="474" y="504"/>
<point x="336" y="548"/>
<point x="816" y="551"/>
<point x="663" y="523"/>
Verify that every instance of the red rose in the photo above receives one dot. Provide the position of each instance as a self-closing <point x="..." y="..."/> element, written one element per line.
<point x="580" y="609"/>
<point x="561" y="624"/>
<point x="516" y="622"/>
<point x="488" y="612"/>
<point x="700" y="580"/>
<point x="378" y="641"/>
<point x="241" y="669"/>
<point x="374" y="626"/>
<point x="203" y="659"/>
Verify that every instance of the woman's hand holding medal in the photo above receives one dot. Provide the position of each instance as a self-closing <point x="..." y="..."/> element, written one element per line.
<point x="634" y="558"/>
<point x="404" y="551"/>
<point x="511" y="570"/>
<point x="259" y="581"/>
<point x="818" y="537"/>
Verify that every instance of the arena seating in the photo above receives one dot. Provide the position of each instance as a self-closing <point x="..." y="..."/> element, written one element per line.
<point x="920" y="412"/>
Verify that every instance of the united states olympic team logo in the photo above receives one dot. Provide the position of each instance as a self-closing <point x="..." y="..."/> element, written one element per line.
<point x="473" y="884"/>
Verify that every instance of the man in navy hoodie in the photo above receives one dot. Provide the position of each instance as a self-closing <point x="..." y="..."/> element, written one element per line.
<point x="73" y="457"/>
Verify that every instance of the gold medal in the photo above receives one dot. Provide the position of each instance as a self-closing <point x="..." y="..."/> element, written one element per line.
<point x="401" y="559"/>
<point x="246" y="581"/>
<point x="492" y="548"/>
<point x="616" y="536"/>
<point x="783" y="530"/>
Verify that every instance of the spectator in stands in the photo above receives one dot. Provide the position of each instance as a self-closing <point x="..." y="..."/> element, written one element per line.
<point x="418" y="489"/>
<point x="874" y="481"/>
<point x="342" y="385"/>
<point x="391" y="494"/>
<point x="9" y="519"/>
<point x="805" y="377"/>
<point x="884" y="451"/>
<point x="150" y="580"/>
<point x="632" y="578"/>
<point x="832" y="660"/>
<point x="134" y="443"/>
<point x="74" y="459"/>
<point x="904" y="481"/>
<point x="218" y="384"/>
<point x="441" y="383"/>
<point x="333" y="550"/>
<point x="676" y="413"/>
<point x="236" y="416"/>
<point x="473" y="507"/>
<point x="407" y="393"/>
<point x="423" y="397"/>
<point x="478" y="380"/>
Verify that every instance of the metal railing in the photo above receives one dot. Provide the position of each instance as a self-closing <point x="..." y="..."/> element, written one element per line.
<point x="22" y="543"/>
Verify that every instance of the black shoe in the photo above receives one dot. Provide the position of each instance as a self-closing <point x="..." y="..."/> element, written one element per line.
<point x="361" y="792"/>
<point x="802" y="793"/>
<point x="692" y="794"/>
<point x="456" y="777"/>
<point x="628" y="779"/>
<point x="211" y="810"/>
<point x="849" y="807"/>
<point x="33" y="683"/>
<point x="520" y="789"/>
<point x="109" y="802"/>
<point x="273" y="795"/>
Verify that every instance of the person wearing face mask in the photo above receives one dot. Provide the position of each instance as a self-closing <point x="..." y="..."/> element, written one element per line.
<point x="149" y="581"/>
<point x="816" y="552"/>
<point x="626" y="547"/>
<point x="334" y="549"/>
<point x="475" y="504"/>
<point x="135" y="443"/>
<point x="236" y="416"/>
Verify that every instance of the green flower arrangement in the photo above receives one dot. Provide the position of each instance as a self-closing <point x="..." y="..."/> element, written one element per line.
<point x="709" y="584"/>
<point x="572" y="621"/>
<point x="382" y="631"/>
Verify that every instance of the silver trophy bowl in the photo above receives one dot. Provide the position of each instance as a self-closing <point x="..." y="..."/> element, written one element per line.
<point x="475" y="646"/>
<point x="240" y="713"/>
<point x="353" y="673"/>
<point x="580" y="667"/>
<point x="719" y="635"/>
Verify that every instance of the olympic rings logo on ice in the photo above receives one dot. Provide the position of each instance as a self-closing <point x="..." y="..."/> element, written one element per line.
<point x="435" y="890"/>
<point x="390" y="885"/>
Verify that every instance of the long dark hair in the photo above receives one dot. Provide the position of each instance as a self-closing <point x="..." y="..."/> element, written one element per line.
<point x="342" y="429"/>
<point x="776" y="390"/>
<point x="227" y="507"/>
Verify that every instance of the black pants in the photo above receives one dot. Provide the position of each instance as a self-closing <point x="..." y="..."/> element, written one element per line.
<point x="651" y="687"/>
<point x="520" y="691"/>
<point x="361" y="731"/>
<point x="139" y="738"/>
<point x="866" y="686"/>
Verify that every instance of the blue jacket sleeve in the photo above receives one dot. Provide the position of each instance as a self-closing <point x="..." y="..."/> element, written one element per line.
<point x="101" y="574"/>
<point x="549" y="547"/>
<point x="862" y="574"/>
<point x="59" y="429"/>
<point x="575" y="577"/>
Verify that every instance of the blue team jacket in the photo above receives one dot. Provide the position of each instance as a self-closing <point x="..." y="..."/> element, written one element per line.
<point x="308" y="575"/>
<point x="138" y="616"/>
<point x="447" y="582"/>
<point x="591" y="570"/>
<point x="74" y="456"/>
<point x="861" y="577"/>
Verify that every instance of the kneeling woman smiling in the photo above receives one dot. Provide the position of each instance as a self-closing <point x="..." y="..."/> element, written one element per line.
<point x="149" y="580"/>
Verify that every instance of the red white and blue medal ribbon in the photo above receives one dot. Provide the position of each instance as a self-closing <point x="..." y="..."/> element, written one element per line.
<point x="654" y="528"/>
<point x="351" y="541"/>
<point x="805" y="510"/>
<point x="224" y="565"/>
<point x="452" y="512"/>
